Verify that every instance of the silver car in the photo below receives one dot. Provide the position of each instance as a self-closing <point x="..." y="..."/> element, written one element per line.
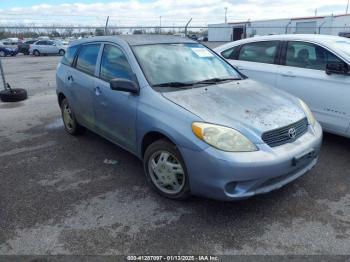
<point x="47" y="47"/>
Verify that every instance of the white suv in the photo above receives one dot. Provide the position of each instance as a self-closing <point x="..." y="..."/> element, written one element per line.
<point x="47" y="47"/>
<point x="312" y="67"/>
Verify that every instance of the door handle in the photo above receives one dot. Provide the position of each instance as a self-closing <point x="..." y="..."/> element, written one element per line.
<point x="97" y="90"/>
<point x="239" y="67"/>
<point x="288" y="74"/>
<point x="70" y="78"/>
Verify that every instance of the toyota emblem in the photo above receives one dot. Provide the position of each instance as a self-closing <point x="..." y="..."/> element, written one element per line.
<point x="292" y="133"/>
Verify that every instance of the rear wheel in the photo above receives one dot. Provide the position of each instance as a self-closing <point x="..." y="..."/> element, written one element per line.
<point x="166" y="171"/>
<point x="36" y="53"/>
<point x="2" y="53"/>
<point x="70" y="123"/>
<point x="61" y="52"/>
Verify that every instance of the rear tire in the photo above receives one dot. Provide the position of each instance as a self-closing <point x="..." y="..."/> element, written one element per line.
<point x="13" y="95"/>
<point x="70" y="122"/>
<point x="36" y="53"/>
<point x="2" y="53"/>
<point x="169" y="177"/>
<point x="61" y="52"/>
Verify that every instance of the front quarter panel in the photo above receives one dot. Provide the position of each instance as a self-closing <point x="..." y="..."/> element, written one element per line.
<point x="157" y="114"/>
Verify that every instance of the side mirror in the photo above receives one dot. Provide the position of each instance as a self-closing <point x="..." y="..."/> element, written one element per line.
<point x="119" y="84"/>
<point x="337" y="68"/>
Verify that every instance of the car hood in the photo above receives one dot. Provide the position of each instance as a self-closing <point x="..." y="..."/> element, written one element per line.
<point x="245" y="105"/>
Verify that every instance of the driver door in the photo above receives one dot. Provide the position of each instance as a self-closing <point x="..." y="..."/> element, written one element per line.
<point x="303" y="75"/>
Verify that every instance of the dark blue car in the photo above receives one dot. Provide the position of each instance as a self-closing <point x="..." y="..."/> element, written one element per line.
<point x="6" y="51"/>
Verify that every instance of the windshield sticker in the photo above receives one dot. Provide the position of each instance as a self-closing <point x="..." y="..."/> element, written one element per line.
<point x="202" y="52"/>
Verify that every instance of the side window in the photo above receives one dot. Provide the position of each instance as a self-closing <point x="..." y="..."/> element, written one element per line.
<point x="87" y="58"/>
<point x="114" y="64"/>
<point x="261" y="52"/>
<point x="229" y="53"/>
<point x="50" y="43"/>
<point x="68" y="58"/>
<point x="308" y="55"/>
<point x="41" y="43"/>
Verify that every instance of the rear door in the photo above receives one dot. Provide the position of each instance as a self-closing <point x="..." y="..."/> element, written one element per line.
<point x="115" y="110"/>
<point x="303" y="75"/>
<point x="256" y="60"/>
<point x="81" y="78"/>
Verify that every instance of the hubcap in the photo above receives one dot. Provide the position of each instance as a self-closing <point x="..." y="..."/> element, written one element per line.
<point x="166" y="172"/>
<point x="2" y="53"/>
<point x="67" y="117"/>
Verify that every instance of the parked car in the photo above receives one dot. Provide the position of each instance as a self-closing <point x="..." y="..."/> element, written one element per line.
<point x="198" y="125"/>
<point x="312" y="67"/>
<point x="47" y="47"/>
<point x="23" y="47"/>
<point x="7" y="51"/>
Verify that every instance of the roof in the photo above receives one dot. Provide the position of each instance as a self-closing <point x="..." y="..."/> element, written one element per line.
<point x="141" y="39"/>
<point x="293" y="19"/>
<point x="306" y="37"/>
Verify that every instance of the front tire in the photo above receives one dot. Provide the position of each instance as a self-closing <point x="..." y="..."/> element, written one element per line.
<point x="36" y="53"/>
<point x="166" y="171"/>
<point x="70" y="123"/>
<point x="2" y="53"/>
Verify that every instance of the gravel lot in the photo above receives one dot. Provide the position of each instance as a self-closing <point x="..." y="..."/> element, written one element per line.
<point x="60" y="195"/>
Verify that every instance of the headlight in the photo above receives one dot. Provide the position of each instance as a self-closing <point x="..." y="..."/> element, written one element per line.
<point x="309" y="115"/>
<point x="223" y="138"/>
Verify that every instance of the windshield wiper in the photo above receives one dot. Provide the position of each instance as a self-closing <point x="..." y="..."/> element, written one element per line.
<point x="174" y="84"/>
<point x="216" y="80"/>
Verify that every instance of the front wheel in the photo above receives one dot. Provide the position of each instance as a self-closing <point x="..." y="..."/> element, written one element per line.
<point x="70" y="123"/>
<point x="36" y="53"/>
<point x="2" y="53"/>
<point x="166" y="171"/>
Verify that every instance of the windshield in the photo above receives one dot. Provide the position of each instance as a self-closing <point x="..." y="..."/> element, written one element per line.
<point x="185" y="63"/>
<point x="343" y="45"/>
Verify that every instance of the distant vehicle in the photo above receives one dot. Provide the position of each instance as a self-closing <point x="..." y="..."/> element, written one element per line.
<point x="180" y="35"/>
<point x="193" y="37"/>
<point x="199" y="126"/>
<point x="23" y="47"/>
<point x="315" y="68"/>
<point x="203" y="38"/>
<point x="46" y="47"/>
<point x="344" y="34"/>
<point x="7" y="51"/>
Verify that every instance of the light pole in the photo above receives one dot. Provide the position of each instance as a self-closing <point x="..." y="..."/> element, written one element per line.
<point x="347" y="7"/>
<point x="226" y="15"/>
<point x="160" y="24"/>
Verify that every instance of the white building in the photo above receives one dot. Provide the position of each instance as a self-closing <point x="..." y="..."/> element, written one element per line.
<point x="331" y="25"/>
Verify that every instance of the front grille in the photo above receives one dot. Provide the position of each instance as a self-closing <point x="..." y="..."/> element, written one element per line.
<point x="281" y="135"/>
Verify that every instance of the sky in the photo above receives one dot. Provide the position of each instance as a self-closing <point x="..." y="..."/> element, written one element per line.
<point x="155" y="12"/>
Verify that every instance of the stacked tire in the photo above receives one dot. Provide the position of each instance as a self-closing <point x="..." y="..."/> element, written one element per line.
<point x="13" y="95"/>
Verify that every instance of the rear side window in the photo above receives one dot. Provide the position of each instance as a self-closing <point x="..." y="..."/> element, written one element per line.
<point x="308" y="55"/>
<point x="69" y="55"/>
<point x="114" y="64"/>
<point x="260" y="52"/>
<point x="87" y="58"/>
<point x="230" y="53"/>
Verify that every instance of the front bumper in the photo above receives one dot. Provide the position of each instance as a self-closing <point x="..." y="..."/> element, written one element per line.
<point x="233" y="176"/>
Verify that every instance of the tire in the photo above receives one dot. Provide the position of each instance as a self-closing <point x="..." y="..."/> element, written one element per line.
<point x="61" y="52"/>
<point x="13" y="95"/>
<point x="164" y="146"/>
<point x="71" y="125"/>
<point x="36" y="53"/>
<point x="2" y="53"/>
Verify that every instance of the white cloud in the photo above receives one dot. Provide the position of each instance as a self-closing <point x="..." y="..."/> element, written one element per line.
<point x="173" y="12"/>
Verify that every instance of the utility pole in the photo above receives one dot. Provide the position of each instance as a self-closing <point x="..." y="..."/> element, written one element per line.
<point x="160" y="24"/>
<point x="106" y="33"/>
<point x="316" y="12"/>
<point x="225" y="15"/>
<point x="347" y="7"/>
<point x="189" y="21"/>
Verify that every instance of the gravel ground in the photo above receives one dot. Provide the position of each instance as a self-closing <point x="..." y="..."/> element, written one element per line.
<point x="60" y="195"/>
